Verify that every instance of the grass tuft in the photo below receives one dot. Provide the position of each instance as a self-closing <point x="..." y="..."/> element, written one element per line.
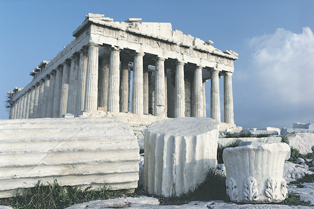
<point x="294" y="199"/>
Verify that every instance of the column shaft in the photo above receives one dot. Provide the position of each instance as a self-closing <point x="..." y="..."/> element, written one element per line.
<point x="31" y="107"/>
<point x="103" y="83"/>
<point x="51" y="95"/>
<point x="215" y="101"/>
<point x="160" y="87"/>
<point x="35" y="108"/>
<point x="72" y="85"/>
<point x="124" y="95"/>
<point x="45" y="97"/>
<point x="137" y="96"/>
<point x="179" y="110"/>
<point x="28" y="98"/>
<point x="198" y="93"/>
<point x="64" y="89"/>
<point x="228" y="99"/>
<point x="57" y="94"/>
<point x="145" y="89"/>
<point x="91" y="89"/>
<point x="114" y="81"/>
<point x="204" y="100"/>
<point x="81" y="81"/>
<point x="40" y="98"/>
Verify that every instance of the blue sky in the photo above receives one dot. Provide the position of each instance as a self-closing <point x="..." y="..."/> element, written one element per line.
<point x="273" y="83"/>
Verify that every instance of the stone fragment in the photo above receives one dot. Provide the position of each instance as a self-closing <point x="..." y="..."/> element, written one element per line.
<point x="302" y="142"/>
<point x="78" y="151"/>
<point x="178" y="154"/>
<point x="300" y="160"/>
<point x="255" y="172"/>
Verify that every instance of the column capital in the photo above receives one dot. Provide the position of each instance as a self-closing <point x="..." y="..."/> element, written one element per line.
<point x="67" y="62"/>
<point x="92" y="44"/>
<point x="214" y="70"/>
<point x="83" y="50"/>
<point x="160" y="58"/>
<point x="199" y="67"/>
<point x="115" y="48"/>
<point x="180" y="62"/>
<point x="228" y="73"/>
<point x="139" y="53"/>
<point x="47" y="76"/>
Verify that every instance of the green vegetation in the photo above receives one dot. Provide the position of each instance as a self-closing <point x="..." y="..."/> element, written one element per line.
<point x="213" y="188"/>
<point x="53" y="196"/>
<point x="295" y="153"/>
<point x="294" y="199"/>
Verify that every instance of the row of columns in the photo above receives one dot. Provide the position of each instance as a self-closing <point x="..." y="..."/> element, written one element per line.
<point x="82" y="84"/>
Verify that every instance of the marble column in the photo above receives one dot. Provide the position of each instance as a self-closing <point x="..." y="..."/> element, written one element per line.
<point x="204" y="100"/>
<point x="214" y="96"/>
<point x="45" y="97"/>
<point x="51" y="94"/>
<point x="198" y="104"/>
<point x="17" y="112"/>
<point x="137" y="96"/>
<point x="91" y="88"/>
<point x="35" y="108"/>
<point x="151" y="100"/>
<point x="64" y="88"/>
<point x="31" y="106"/>
<point x="72" y="85"/>
<point x="145" y="89"/>
<point x="57" y="93"/>
<point x="114" y="80"/>
<point x="159" y="108"/>
<point x="81" y="81"/>
<point x="20" y="110"/>
<point x="228" y="98"/>
<point x="28" y="98"/>
<point x="124" y="91"/>
<point x="103" y="80"/>
<point x="40" y="98"/>
<point x="179" y="109"/>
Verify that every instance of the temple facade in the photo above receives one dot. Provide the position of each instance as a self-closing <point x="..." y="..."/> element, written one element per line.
<point x="131" y="66"/>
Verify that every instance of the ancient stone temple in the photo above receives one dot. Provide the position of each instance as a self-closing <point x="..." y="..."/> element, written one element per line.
<point x="131" y="66"/>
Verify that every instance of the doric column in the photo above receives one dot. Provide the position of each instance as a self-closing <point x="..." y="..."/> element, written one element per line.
<point x="51" y="94"/>
<point x="40" y="98"/>
<point x="103" y="80"/>
<point x="81" y="81"/>
<point x="91" y="89"/>
<point x="32" y="100"/>
<point x="214" y="96"/>
<point x="45" y="97"/>
<point x="137" y="96"/>
<point x="151" y="100"/>
<point x="204" y="100"/>
<point x="28" y="98"/>
<point x="114" y="80"/>
<point x="64" y="88"/>
<point x="160" y="87"/>
<point x="57" y="93"/>
<point x="72" y="85"/>
<point x="35" y="108"/>
<point x="124" y="96"/>
<point x="179" y="110"/>
<point x="145" y="89"/>
<point x="11" y="111"/>
<point x="23" y="106"/>
<point x="198" y="93"/>
<point x="19" y="112"/>
<point x="228" y="98"/>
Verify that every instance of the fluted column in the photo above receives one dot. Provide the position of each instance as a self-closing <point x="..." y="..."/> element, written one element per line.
<point x="45" y="97"/>
<point x="81" y="81"/>
<point x="28" y="98"/>
<point x="18" y="114"/>
<point x="32" y="100"/>
<point x="91" y="89"/>
<point x="160" y="87"/>
<point x="72" y="85"/>
<point x="103" y="80"/>
<point x="64" y="89"/>
<point x="145" y="89"/>
<point x="179" y="110"/>
<point x="228" y="98"/>
<point x="214" y="95"/>
<point x="11" y="111"/>
<point x="35" y="108"/>
<point x="204" y="100"/>
<point x="17" y="103"/>
<point x="198" y="93"/>
<point x="57" y="94"/>
<point x="124" y="96"/>
<point x="114" y="80"/>
<point x="137" y="96"/>
<point x="51" y="94"/>
<point x="40" y="98"/>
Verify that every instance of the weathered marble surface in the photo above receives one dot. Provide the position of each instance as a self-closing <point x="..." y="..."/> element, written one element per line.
<point x="178" y="154"/>
<point x="301" y="141"/>
<point x="77" y="151"/>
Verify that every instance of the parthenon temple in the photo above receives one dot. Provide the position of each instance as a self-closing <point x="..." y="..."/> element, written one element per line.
<point x="132" y="66"/>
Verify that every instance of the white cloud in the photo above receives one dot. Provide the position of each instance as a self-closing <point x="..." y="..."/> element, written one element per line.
<point x="283" y="66"/>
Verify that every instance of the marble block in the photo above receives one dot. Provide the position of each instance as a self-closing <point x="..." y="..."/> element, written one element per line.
<point x="255" y="172"/>
<point x="179" y="153"/>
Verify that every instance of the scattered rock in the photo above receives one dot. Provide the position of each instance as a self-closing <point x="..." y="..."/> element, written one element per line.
<point x="300" y="160"/>
<point x="301" y="141"/>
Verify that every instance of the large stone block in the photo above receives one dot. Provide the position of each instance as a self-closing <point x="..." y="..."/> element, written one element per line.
<point x="78" y="151"/>
<point x="301" y="141"/>
<point x="255" y="172"/>
<point x="178" y="154"/>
